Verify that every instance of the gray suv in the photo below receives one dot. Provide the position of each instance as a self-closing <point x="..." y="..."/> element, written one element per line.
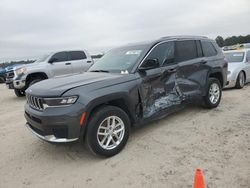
<point x="47" y="66"/>
<point x="128" y="86"/>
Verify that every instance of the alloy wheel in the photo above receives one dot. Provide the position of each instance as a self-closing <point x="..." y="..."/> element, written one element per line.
<point x="214" y="93"/>
<point x="110" y="132"/>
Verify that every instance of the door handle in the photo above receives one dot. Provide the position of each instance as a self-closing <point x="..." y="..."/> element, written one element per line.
<point x="203" y="61"/>
<point x="89" y="61"/>
<point x="67" y="63"/>
<point x="171" y="70"/>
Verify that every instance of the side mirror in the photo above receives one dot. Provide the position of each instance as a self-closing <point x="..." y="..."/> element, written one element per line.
<point x="149" y="64"/>
<point x="52" y="60"/>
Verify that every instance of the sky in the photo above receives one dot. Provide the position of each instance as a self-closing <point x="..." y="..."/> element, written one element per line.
<point x="30" y="28"/>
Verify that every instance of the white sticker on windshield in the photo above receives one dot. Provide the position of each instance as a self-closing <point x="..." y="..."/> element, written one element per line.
<point x="133" y="52"/>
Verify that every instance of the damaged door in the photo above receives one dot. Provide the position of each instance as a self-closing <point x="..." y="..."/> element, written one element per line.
<point x="159" y="90"/>
<point x="191" y="71"/>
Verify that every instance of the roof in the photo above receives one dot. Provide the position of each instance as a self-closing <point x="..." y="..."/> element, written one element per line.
<point x="183" y="37"/>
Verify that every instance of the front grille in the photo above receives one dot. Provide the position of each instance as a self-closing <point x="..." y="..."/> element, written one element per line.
<point x="10" y="74"/>
<point x="35" y="102"/>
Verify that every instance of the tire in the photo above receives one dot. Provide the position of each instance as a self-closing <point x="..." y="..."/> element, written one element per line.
<point x="19" y="93"/>
<point x="35" y="81"/>
<point x="97" y="132"/>
<point x="240" y="80"/>
<point x="214" y="89"/>
<point x="2" y="80"/>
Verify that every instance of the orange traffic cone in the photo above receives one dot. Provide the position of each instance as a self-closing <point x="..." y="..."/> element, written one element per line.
<point x="198" y="179"/>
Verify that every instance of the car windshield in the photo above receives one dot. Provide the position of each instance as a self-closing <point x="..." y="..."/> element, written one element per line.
<point x="42" y="58"/>
<point x="119" y="60"/>
<point x="234" y="57"/>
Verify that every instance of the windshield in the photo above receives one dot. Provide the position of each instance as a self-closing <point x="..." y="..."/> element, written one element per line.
<point x="234" y="57"/>
<point x="42" y="58"/>
<point x="120" y="60"/>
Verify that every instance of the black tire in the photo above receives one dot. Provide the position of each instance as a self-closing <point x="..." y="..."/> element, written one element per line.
<point x="35" y="81"/>
<point x="19" y="93"/>
<point x="2" y="80"/>
<point x="208" y="101"/>
<point x="240" y="80"/>
<point x="92" y="139"/>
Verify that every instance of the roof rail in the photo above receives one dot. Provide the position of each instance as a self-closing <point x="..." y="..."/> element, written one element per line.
<point x="183" y="36"/>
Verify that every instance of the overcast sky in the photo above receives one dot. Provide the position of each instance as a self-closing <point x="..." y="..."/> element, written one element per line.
<point x="30" y="28"/>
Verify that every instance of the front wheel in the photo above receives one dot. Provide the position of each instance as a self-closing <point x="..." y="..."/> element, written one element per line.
<point x="19" y="93"/>
<point x="214" y="92"/>
<point x="108" y="131"/>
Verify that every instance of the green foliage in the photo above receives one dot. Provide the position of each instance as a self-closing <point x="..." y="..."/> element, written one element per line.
<point x="229" y="41"/>
<point x="5" y="64"/>
<point x="220" y="41"/>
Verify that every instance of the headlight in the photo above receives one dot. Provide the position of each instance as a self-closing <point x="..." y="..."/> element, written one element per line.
<point x="62" y="101"/>
<point x="21" y="70"/>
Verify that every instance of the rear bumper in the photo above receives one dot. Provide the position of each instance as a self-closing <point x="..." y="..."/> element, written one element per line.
<point x="230" y="84"/>
<point x="59" y="124"/>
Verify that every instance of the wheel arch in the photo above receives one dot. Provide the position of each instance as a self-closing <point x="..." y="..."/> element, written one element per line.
<point x="35" y="75"/>
<point x="121" y="101"/>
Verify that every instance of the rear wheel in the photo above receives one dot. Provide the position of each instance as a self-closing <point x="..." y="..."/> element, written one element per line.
<point x="240" y="80"/>
<point x="108" y="131"/>
<point x="214" y="92"/>
<point x="19" y="93"/>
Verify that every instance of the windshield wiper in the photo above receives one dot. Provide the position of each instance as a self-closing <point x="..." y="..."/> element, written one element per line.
<point x="99" y="71"/>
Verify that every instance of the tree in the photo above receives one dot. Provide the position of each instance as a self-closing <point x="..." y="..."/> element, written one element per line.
<point x="220" y="41"/>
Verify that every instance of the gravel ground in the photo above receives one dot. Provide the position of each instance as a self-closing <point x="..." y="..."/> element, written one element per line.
<point x="160" y="154"/>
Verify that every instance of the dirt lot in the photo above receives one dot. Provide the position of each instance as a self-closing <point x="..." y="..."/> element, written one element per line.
<point x="161" y="154"/>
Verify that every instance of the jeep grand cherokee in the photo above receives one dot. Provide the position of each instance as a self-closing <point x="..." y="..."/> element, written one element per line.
<point x="128" y="86"/>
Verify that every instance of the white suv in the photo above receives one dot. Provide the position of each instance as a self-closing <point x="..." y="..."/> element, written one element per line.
<point x="48" y="66"/>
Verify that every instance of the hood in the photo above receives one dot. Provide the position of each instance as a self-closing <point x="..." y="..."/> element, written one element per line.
<point x="33" y="65"/>
<point x="89" y="80"/>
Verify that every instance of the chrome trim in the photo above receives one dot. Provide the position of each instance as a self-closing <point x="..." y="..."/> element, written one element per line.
<point x="35" y="102"/>
<point x="50" y="138"/>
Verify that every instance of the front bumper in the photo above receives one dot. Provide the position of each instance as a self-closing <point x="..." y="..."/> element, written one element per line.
<point x="57" y="124"/>
<point x="19" y="84"/>
<point x="50" y="138"/>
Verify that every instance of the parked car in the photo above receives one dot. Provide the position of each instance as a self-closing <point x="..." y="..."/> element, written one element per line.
<point x="127" y="87"/>
<point x="2" y="75"/>
<point x="238" y="68"/>
<point x="48" y="66"/>
<point x="4" y="71"/>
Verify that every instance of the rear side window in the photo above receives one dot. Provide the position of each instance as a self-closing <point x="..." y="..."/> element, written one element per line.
<point x="164" y="53"/>
<point x="208" y="49"/>
<point x="77" y="55"/>
<point x="60" y="56"/>
<point x="186" y="50"/>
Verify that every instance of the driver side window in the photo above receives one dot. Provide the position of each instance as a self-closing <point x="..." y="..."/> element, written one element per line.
<point x="60" y="56"/>
<point x="164" y="53"/>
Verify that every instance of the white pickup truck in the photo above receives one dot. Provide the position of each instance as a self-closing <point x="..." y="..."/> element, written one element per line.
<point x="48" y="66"/>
